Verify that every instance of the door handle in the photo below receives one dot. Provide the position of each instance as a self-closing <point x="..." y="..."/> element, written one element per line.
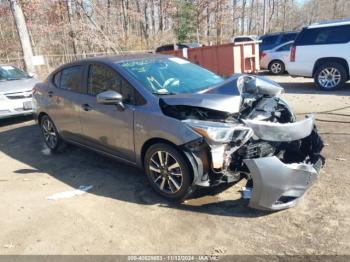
<point x="86" y="107"/>
<point x="50" y="93"/>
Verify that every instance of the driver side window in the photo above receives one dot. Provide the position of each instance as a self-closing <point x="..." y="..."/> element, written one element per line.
<point x="103" y="78"/>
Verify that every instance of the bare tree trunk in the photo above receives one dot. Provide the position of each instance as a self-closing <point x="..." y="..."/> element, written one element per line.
<point x="284" y="15"/>
<point x="161" y="23"/>
<point x="23" y="35"/>
<point x="335" y="7"/>
<point x="244" y="2"/>
<point x="72" y="32"/>
<point x="264" y="16"/>
<point x="250" y="22"/>
<point x="208" y="22"/>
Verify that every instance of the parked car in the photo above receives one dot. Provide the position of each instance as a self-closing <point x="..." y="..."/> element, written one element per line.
<point x="15" y="92"/>
<point x="244" y="38"/>
<point x="275" y="59"/>
<point x="270" y="41"/>
<point x="322" y="51"/>
<point x="171" y="47"/>
<point x="185" y="132"/>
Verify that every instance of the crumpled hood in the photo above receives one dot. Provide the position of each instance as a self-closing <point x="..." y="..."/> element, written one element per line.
<point x="17" y="85"/>
<point x="225" y="103"/>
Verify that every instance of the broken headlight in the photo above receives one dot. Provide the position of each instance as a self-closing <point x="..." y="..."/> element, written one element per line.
<point x="216" y="131"/>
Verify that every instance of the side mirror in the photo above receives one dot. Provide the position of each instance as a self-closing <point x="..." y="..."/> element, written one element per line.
<point x="110" y="98"/>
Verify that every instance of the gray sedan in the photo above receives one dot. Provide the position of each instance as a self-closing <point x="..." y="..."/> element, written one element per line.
<point x="184" y="125"/>
<point x="15" y="92"/>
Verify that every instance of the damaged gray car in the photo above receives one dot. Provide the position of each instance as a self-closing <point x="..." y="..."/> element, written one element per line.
<point x="184" y="125"/>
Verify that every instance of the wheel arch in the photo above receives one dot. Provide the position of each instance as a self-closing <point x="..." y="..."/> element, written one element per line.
<point x="189" y="159"/>
<point x="151" y="142"/>
<point x="276" y="60"/>
<point x="40" y="116"/>
<point x="323" y="60"/>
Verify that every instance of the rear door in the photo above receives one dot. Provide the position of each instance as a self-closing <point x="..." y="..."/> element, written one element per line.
<point x="105" y="127"/>
<point x="283" y="52"/>
<point x="64" y="94"/>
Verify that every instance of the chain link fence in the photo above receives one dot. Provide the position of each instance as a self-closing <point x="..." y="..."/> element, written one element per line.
<point x="52" y="61"/>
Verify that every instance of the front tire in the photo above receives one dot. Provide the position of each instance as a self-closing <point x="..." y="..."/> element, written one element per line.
<point x="330" y="76"/>
<point x="51" y="136"/>
<point x="168" y="171"/>
<point x="277" y="67"/>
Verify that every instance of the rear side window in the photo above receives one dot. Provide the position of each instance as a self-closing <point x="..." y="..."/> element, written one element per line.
<point x="71" y="79"/>
<point x="325" y="35"/>
<point x="284" y="48"/>
<point x="165" y="48"/>
<point x="242" y="39"/>
<point x="269" y="40"/>
<point x="288" y="37"/>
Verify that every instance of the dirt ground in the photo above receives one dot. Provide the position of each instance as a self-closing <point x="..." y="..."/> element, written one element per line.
<point x="122" y="215"/>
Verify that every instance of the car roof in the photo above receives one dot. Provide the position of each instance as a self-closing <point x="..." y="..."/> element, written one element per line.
<point x="280" y="33"/>
<point x="123" y="58"/>
<point x="113" y="59"/>
<point x="330" y="23"/>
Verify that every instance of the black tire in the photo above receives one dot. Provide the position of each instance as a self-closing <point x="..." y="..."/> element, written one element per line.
<point x="156" y="178"/>
<point x="51" y="136"/>
<point x="277" y="67"/>
<point x="334" y="80"/>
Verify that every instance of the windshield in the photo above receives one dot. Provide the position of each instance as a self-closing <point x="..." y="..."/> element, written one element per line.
<point x="171" y="75"/>
<point x="8" y="73"/>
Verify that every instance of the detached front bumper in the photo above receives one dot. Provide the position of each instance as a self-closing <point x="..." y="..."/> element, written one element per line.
<point x="281" y="160"/>
<point x="277" y="185"/>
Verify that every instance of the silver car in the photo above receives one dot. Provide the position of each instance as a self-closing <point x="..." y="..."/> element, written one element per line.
<point x="184" y="125"/>
<point x="15" y="92"/>
<point x="275" y="59"/>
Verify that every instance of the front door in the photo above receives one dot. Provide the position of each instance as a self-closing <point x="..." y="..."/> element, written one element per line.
<point x="106" y="127"/>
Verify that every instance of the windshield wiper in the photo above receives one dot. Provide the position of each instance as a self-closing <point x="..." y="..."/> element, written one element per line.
<point x="163" y="93"/>
<point x="12" y="79"/>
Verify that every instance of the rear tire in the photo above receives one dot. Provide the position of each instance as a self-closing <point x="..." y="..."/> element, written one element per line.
<point x="51" y="136"/>
<point x="277" y="67"/>
<point x="168" y="171"/>
<point x="330" y="76"/>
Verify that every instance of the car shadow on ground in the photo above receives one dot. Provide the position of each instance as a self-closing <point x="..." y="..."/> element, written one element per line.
<point x="15" y="120"/>
<point x="310" y="88"/>
<point x="76" y="166"/>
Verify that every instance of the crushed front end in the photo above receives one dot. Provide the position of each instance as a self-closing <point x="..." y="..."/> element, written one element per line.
<point x="279" y="156"/>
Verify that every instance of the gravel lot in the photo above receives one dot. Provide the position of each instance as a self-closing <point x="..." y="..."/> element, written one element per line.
<point x="122" y="215"/>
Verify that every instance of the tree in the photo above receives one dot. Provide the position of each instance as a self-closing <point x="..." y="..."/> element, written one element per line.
<point x="185" y="22"/>
<point x="23" y="35"/>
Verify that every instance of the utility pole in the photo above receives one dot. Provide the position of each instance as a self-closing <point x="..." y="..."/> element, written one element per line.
<point x="264" y="17"/>
<point x="23" y="35"/>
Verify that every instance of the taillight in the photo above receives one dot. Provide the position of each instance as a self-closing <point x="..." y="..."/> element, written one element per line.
<point x="263" y="54"/>
<point x="293" y="53"/>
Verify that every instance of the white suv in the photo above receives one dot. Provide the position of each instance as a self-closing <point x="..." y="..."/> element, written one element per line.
<point x="322" y="51"/>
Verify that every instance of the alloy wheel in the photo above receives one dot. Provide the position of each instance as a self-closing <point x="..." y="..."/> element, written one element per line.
<point x="329" y="77"/>
<point x="49" y="132"/>
<point x="276" y="68"/>
<point x="166" y="172"/>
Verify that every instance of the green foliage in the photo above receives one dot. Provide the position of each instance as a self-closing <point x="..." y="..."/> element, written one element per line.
<point x="185" y="20"/>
